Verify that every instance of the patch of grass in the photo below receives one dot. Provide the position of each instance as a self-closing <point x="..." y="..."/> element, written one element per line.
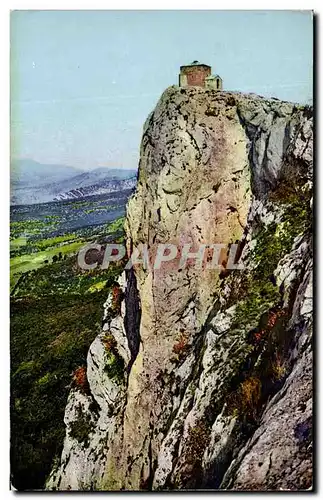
<point x="260" y="297"/>
<point x="64" y="277"/>
<point x="21" y="241"/>
<point x="115" y="367"/>
<point x="197" y="439"/>
<point x="97" y="286"/>
<point x="116" y="225"/>
<point x="51" y="242"/>
<point x="45" y="380"/>
<point x="278" y="367"/>
<point x="25" y="263"/>
<point x="265" y="370"/>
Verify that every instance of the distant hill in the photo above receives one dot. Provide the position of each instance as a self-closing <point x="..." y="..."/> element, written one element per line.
<point x="33" y="182"/>
<point x="31" y="173"/>
<point x="95" y="176"/>
<point x="102" y="187"/>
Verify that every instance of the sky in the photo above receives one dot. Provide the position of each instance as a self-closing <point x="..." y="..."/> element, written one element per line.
<point x="83" y="82"/>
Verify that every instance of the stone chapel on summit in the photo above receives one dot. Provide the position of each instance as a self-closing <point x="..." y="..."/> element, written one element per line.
<point x="197" y="74"/>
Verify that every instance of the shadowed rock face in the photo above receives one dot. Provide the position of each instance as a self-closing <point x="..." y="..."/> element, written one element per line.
<point x="215" y="390"/>
<point x="132" y="315"/>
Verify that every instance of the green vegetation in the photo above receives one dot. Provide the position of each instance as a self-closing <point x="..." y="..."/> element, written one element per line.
<point x="246" y="398"/>
<point x="65" y="277"/>
<point x="273" y="242"/>
<point x="116" y="225"/>
<point x="18" y="242"/>
<point x="97" y="286"/>
<point x="81" y="427"/>
<point x="267" y="367"/>
<point x="50" y="242"/>
<point x="33" y="226"/>
<point x="115" y="363"/>
<point x="49" y="339"/>
<point x="115" y="367"/>
<point x="100" y="209"/>
<point x="259" y="315"/>
<point x="260" y="297"/>
<point x="56" y="312"/>
<point x="25" y="263"/>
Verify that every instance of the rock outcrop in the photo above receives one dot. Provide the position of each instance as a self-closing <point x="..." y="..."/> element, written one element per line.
<point x="202" y="378"/>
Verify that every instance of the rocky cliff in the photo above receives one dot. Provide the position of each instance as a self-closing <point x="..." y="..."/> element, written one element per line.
<point x="202" y="378"/>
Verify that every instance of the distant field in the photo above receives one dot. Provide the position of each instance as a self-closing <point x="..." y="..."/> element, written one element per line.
<point x="49" y="220"/>
<point x="18" y="242"/>
<point x="38" y="237"/>
<point x="28" y="262"/>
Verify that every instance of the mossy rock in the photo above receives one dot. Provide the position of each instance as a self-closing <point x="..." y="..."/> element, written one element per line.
<point x="115" y="367"/>
<point x="81" y="427"/>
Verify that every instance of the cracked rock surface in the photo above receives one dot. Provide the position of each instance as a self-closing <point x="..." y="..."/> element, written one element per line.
<point x="216" y="388"/>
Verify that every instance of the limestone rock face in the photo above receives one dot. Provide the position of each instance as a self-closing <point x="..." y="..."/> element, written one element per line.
<point x="216" y="385"/>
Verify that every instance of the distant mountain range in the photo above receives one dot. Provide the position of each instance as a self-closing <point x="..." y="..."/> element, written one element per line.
<point x="33" y="182"/>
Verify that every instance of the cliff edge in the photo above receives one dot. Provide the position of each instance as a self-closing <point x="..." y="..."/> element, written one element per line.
<point x="203" y="377"/>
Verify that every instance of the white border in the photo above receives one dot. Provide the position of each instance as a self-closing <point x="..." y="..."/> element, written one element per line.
<point x="5" y="7"/>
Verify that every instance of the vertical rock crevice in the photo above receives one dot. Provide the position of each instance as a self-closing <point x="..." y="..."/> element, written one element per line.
<point x="132" y="315"/>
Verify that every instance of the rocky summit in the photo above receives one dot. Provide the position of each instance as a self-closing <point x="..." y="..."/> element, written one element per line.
<point x="202" y="378"/>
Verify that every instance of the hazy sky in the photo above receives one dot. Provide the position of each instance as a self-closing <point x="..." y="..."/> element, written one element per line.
<point x="83" y="82"/>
